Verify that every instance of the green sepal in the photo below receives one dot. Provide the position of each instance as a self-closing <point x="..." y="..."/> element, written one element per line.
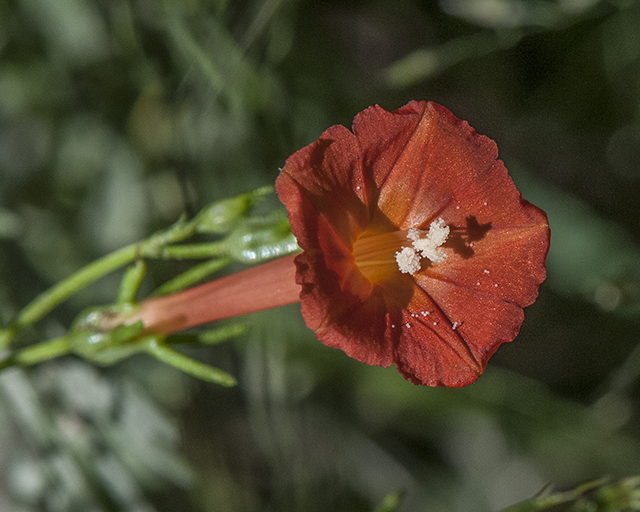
<point x="108" y="347"/>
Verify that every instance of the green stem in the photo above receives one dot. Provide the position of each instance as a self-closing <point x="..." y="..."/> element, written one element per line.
<point x="54" y="296"/>
<point x="195" y="251"/>
<point x="60" y="292"/>
<point x="34" y="354"/>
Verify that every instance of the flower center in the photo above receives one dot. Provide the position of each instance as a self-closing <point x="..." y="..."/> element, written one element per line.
<point x="375" y="254"/>
<point x="380" y="257"/>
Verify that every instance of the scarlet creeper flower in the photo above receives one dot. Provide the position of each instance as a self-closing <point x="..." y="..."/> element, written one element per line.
<point x="417" y="248"/>
<point x="359" y="203"/>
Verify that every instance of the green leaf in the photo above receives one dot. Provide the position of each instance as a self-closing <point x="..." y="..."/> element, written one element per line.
<point x="130" y="282"/>
<point x="202" y="371"/>
<point x="221" y="334"/>
<point x="192" y="276"/>
<point x="391" y="501"/>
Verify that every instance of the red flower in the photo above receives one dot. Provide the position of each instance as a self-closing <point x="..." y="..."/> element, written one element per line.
<point x="418" y="249"/>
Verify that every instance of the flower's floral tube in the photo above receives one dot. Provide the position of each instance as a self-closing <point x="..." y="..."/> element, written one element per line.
<point x="417" y="248"/>
<point x="266" y="286"/>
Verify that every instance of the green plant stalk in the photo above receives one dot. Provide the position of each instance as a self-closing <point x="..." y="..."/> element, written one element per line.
<point x="57" y="294"/>
<point x="38" y="353"/>
<point x="195" y="251"/>
<point x="63" y="345"/>
<point x="54" y="296"/>
<point x="103" y="335"/>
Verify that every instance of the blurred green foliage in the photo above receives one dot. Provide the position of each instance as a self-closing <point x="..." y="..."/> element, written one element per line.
<point x="117" y="116"/>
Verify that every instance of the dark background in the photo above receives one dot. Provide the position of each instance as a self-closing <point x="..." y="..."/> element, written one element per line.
<point x="116" y="116"/>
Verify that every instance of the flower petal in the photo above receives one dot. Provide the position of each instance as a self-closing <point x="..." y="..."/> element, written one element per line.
<point x="360" y="328"/>
<point x="400" y="170"/>
<point x="479" y="321"/>
<point x="428" y="350"/>
<point x="323" y="188"/>
<point x="419" y="156"/>
<point x="329" y="173"/>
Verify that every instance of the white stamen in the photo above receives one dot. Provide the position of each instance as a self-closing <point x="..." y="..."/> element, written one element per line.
<point x="413" y="234"/>
<point x="455" y="324"/>
<point x="408" y="261"/>
<point x="430" y="246"/>
<point x="486" y="271"/>
<point x="433" y="254"/>
<point x="438" y="232"/>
